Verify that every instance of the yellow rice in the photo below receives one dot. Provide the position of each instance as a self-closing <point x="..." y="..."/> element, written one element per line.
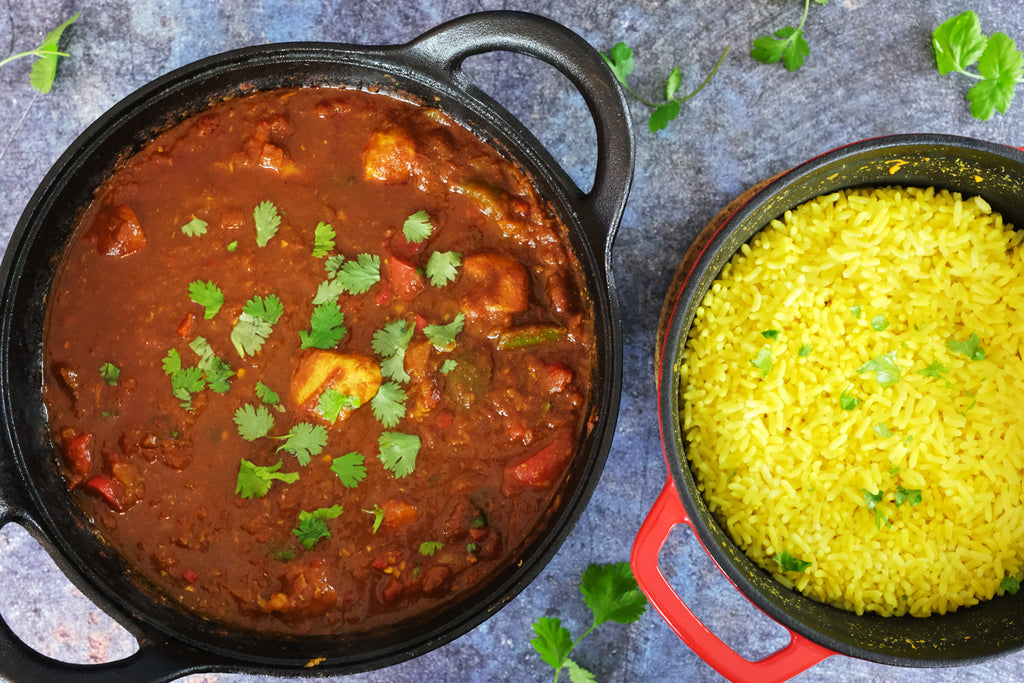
<point x="781" y="463"/>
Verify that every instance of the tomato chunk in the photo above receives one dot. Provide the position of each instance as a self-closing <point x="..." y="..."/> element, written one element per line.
<point x="542" y="468"/>
<point x="120" y="233"/>
<point x="405" y="280"/>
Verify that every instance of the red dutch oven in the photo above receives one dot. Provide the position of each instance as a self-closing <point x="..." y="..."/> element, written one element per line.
<point x="967" y="636"/>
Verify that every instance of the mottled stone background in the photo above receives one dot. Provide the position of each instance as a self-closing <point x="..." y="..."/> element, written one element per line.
<point x="871" y="72"/>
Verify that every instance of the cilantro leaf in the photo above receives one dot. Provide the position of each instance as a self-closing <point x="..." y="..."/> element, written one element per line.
<point x="577" y="674"/>
<point x="326" y="328"/>
<point x="323" y="239"/>
<point x="332" y="402"/>
<point x="391" y="341"/>
<point x="443" y="336"/>
<point x="443" y="267"/>
<point x="329" y="290"/>
<point x="553" y="642"/>
<point x="805" y="350"/>
<point x="886" y="371"/>
<point x="216" y="371"/>
<point x="958" y="43"/>
<point x="44" y="68"/>
<point x="612" y="594"/>
<point x="350" y="469"/>
<point x="378" y="516"/>
<point x="848" y="402"/>
<point x="879" y="323"/>
<point x="268" y="395"/>
<point x="186" y="382"/>
<point x="417" y="227"/>
<point x="762" y="361"/>
<point x="172" y="362"/>
<point x="398" y="452"/>
<point x="232" y="246"/>
<point x="856" y="311"/>
<point x="447" y="366"/>
<point x="254" y="325"/>
<point x="304" y="441"/>
<point x="771" y="335"/>
<point x="207" y="295"/>
<point x="788" y="45"/>
<point x="194" y="228"/>
<point x="662" y="115"/>
<point x="333" y="263"/>
<point x="356" y="277"/>
<point x="620" y="60"/>
<point x="267" y="222"/>
<point x="252" y="422"/>
<point x="313" y="527"/>
<point x="882" y="430"/>
<point x="110" y="373"/>
<point x="1001" y="66"/>
<point x="912" y="496"/>
<point x="254" y="480"/>
<point x="789" y="563"/>
<point x="388" y="404"/>
<point x="428" y="548"/>
<point x="970" y="347"/>
<point x="934" y="370"/>
<point x="1010" y="584"/>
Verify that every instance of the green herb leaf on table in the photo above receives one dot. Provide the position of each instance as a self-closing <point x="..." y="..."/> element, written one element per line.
<point x="443" y="267"/>
<point x="789" y="563"/>
<point x="787" y="44"/>
<point x="763" y="361"/>
<point x="110" y="373"/>
<point x="254" y="325"/>
<point x="253" y="422"/>
<point x="207" y="295"/>
<point x="443" y="336"/>
<point x="620" y="60"/>
<point x="194" y="228"/>
<point x="254" y="481"/>
<point x="886" y="371"/>
<point x="959" y="43"/>
<point x="44" y="69"/>
<point x="350" y="469"/>
<point x="388" y="404"/>
<point x="378" y="516"/>
<point x="326" y="328"/>
<point x="417" y="227"/>
<point x="970" y="347"/>
<point x="428" y="548"/>
<point x="323" y="239"/>
<point x="268" y="220"/>
<point x="398" y="452"/>
<point x="553" y="642"/>
<point x="313" y="527"/>
<point x="304" y="441"/>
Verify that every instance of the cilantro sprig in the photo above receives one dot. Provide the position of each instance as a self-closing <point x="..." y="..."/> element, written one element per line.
<point x="325" y="327"/>
<point x="417" y="227"/>
<point x="267" y="220"/>
<point x="44" y="68"/>
<point x="259" y="315"/>
<point x="350" y="469"/>
<point x="789" y="563"/>
<point x="959" y="44"/>
<point x="208" y="295"/>
<point x="391" y="342"/>
<point x="184" y="381"/>
<point x="254" y="481"/>
<point x="443" y="267"/>
<point x="620" y="60"/>
<point x="787" y="44"/>
<point x="323" y="239"/>
<point x="443" y="336"/>
<point x="398" y="452"/>
<point x="611" y="593"/>
<point x="970" y="347"/>
<point x="313" y="525"/>
<point x="110" y="373"/>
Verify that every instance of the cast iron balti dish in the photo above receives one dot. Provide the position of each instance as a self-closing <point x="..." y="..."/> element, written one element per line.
<point x="966" y="636"/>
<point x="173" y="642"/>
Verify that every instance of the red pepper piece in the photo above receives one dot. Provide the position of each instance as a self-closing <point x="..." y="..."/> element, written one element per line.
<point x="404" y="278"/>
<point x="185" y="326"/>
<point x="77" y="450"/>
<point x="542" y="468"/>
<point x="108" y="489"/>
<point x="190" y="576"/>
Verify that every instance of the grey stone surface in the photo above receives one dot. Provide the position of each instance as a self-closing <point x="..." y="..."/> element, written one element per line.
<point x="870" y="73"/>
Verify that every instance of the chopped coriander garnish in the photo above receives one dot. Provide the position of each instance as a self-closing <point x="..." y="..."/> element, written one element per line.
<point x="267" y="222"/>
<point x="885" y="369"/>
<point x="855" y="311"/>
<point x="391" y="342"/>
<point x="970" y="347"/>
<point x="428" y="548"/>
<point x="879" y="323"/>
<point x="328" y="290"/>
<point x="216" y="370"/>
<point x="194" y="228"/>
<point x="333" y="263"/>
<point x="805" y="350"/>
<point x="1010" y="585"/>
<point x="398" y="452"/>
<point x="771" y="334"/>
<point x="448" y="365"/>
<point x="253" y="422"/>
<point x="872" y="500"/>
<point x="443" y="336"/>
<point x="882" y="430"/>
<point x="255" y="324"/>
<point x="356" y="277"/>
<point x="268" y="395"/>
<point x="762" y="361"/>
<point x="848" y="402"/>
<point x="232" y="246"/>
<point x="417" y="227"/>
<point x="313" y="527"/>
<point x="323" y="239"/>
<point x="254" y="480"/>
<point x="110" y="373"/>
<point x="934" y="370"/>
<point x="207" y="295"/>
<point x="378" y="516"/>
<point x="388" y="404"/>
<point x="443" y="267"/>
<point x="912" y="496"/>
<point x="350" y="469"/>
<point x="326" y="328"/>
<point x="788" y="563"/>
<point x="304" y="441"/>
<point x="332" y="402"/>
<point x="893" y="471"/>
<point x="184" y="381"/>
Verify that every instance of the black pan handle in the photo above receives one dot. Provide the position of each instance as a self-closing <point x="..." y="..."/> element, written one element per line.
<point x="444" y="49"/>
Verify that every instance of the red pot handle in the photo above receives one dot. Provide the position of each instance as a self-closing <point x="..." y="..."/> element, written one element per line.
<point x="667" y="512"/>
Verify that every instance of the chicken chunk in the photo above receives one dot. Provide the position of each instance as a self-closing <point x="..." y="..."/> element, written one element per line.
<point x="351" y="375"/>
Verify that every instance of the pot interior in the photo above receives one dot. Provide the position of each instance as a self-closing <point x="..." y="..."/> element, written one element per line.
<point x="47" y="225"/>
<point x="970" y="167"/>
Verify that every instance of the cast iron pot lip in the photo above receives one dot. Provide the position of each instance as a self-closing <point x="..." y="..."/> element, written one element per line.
<point x="394" y="66"/>
<point x="677" y="330"/>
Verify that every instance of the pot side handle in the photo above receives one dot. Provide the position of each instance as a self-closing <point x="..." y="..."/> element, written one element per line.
<point x="668" y="511"/>
<point x="445" y="48"/>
